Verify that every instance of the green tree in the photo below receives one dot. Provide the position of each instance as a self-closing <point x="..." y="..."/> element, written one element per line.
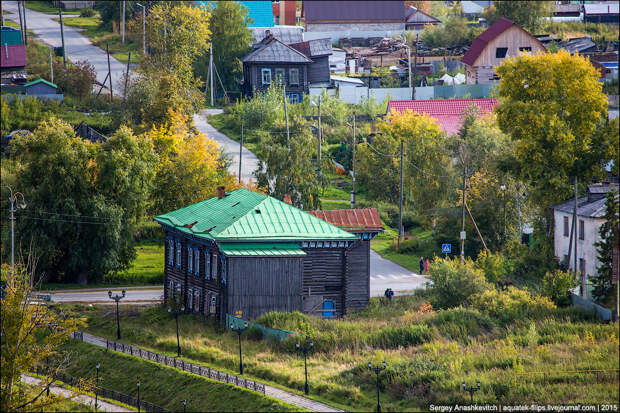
<point x="31" y="337"/>
<point x="454" y="32"/>
<point x="230" y="40"/>
<point x="528" y="14"/>
<point x="604" y="291"/>
<point x="552" y="106"/>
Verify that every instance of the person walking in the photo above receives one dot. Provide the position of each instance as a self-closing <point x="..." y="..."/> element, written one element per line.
<point x="426" y="266"/>
<point x="421" y="265"/>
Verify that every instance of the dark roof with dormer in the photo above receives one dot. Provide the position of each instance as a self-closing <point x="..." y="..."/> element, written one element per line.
<point x="271" y="50"/>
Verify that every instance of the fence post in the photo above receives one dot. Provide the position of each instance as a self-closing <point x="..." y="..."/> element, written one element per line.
<point x="115" y="346"/>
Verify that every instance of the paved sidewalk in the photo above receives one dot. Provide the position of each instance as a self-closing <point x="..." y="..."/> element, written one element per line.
<point x="274" y="392"/>
<point x="80" y="398"/>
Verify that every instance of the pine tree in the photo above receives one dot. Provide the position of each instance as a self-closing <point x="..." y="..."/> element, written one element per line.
<point x="603" y="288"/>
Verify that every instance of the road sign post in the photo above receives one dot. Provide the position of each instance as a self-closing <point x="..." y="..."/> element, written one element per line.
<point x="446" y="249"/>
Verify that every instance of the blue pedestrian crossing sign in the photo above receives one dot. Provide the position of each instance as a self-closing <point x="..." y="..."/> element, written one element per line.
<point x="446" y="248"/>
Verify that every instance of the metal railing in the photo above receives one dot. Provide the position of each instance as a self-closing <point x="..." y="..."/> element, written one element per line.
<point x="104" y="392"/>
<point x="186" y="366"/>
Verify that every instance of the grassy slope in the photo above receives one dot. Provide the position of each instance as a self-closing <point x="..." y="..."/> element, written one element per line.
<point x="162" y="385"/>
<point x="458" y="349"/>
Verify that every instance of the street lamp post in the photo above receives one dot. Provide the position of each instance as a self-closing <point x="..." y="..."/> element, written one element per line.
<point x="143" y="28"/>
<point x="502" y="188"/>
<point x="307" y="346"/>
<point x="138" y="395"/>
<point x="377" y="370"/>
<point x="117" y="298"/>
<point x="176" y="317"/>
<point x="97" y="385"/>
<point x="471" y="390"/>
<point x="13" y="198"/>
<point x="239" y="330"/>
<point x="184" y="405"/>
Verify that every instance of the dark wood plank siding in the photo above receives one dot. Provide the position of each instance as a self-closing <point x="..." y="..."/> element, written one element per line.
<point x="258" y="285"/>
<point x="324" y="277"/>
<point x="319" y="70"/>
<point x="254" y="75"/>
<point x="357" y="280"/>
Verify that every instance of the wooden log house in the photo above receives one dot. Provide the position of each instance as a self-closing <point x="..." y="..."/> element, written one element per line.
<point x="246" y="252"/>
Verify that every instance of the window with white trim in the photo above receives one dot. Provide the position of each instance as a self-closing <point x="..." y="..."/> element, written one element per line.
<point x="214" y="267"/>
<point x="171" y="252"/>
<point x="207" y="264"/>
<point x="266" y="76"/>
<point x="212" y="302"/>
<point x="196" y="261"/>
<point x="197" y="300"/>
<point x="178" y="254"/>
<point x="293" y="76"/>
<point x="190" y="299"/>
<point x="190" y="259"/>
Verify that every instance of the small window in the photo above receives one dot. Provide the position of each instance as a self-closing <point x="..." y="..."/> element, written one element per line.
<point x="266" y="76"/>
<point x="196" y="300"/>
<point x="500" y="52"/>
<point x="525" y="49"/>
<point x="214" y="267"/>
<point x="190" y="300"/>
<point x="212" y="304"/>
<point x="208" y="264"/>
<point x="279" y="75"/>
<point x="566" y="226"/>
<point x="178" y="254"/>
<point x="581" y="230"/>
<point x="190" y="259"/>
<point x="197" y="262"/>
<point x="293" y="76"/>
<point x="171" y="252"/>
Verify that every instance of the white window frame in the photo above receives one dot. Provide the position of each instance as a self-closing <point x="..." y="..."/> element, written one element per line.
<point x="190" y="302"/>
<point x="178" y="254"/>
<point x="196" y="296"/>
<point x="196" y="261"/>
<point x="190" y="259"/>
<point x="207" y="264"/>
<point x="264" y="71"/>
<point x="214" y="266"/>
<point x="293" y="80"/>
<point x="171" y="252"/>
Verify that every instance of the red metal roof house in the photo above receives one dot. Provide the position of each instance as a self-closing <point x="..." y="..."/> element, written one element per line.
<point x="447" y="112"/>
<point x="13" y="57"/>
<point x="503" y="39"/>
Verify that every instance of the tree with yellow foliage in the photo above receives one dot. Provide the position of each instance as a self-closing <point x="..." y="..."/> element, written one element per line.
<point x="553" y="108"/>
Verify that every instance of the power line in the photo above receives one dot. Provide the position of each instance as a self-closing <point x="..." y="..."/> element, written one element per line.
<point x="381" y="153"/>
<point x="63" y="220"/>
<point x="430" y="174"/>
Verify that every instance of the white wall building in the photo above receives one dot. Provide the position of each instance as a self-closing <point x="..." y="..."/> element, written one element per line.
<point x="590" y="217"/>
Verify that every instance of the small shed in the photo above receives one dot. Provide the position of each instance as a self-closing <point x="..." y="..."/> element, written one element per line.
<point x="416" y="19"/>
<point x="40" y="87"/>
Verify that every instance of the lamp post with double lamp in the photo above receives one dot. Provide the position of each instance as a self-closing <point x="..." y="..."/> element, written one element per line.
<point x="239" y="330"/>
<point x="184" y="405"/>
<point x="471" y="390"/>
<point x="502" y="188"/>
<point x="176" y="313"/>
<point x="377" y="370"/>
<point x="305" y="348"/>
<point x="138" y="395"/>
<point x="15" y="205"/>
<point x="97" y="366"/>
<point x="117" y="298"/>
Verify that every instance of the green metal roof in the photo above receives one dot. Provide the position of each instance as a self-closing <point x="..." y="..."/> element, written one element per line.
<point x="262" y="249"/>
<point x="11" y="36"/>
<point x="244" y="215"/>
<point x="39" y="80"/>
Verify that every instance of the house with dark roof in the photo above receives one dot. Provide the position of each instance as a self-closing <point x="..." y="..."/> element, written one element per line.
<point x="503" y="39"/>
<point x="350" y="17"/>
<point x="269" y="60"/>
<point x="319" y="51"/>
<point x="448" y="113"/>
<point x="416" y="19"/>
<point x="590" y="216"/>
<point x="246" y="252"/>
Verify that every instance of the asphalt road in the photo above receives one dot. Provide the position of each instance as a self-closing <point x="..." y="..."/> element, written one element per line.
<point x="78" y="47"/>
<point x="249" y="161"/>
<point x="134" y="295"/>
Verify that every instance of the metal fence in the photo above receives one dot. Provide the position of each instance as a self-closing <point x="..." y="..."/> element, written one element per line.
<point x="186" y="366"/>
<point x="104" y="392"/>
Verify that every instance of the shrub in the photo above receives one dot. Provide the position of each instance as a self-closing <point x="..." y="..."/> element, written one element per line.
<point x="496" y="266"/>
<point x="454" y="283"/>
<point x="512" y="304"/>
<point x="77" y="79"/>
<point x="461" y="323"/>
<point x="87" y="12"/>
<point x="254" y="333"/>
<point x="148" y="231"/>
<point x="556" y="286"/>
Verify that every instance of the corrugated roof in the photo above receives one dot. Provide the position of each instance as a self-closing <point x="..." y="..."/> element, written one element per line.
<point x="247" y="215"/>
<point x="271" y="50"/>
<point x="352" y="219"/>
<point x="601" y="8"/>
<point x="262" y="250"/>
<point x="13" y="56"/>
<point x="487" y="36"/>
<point x="312" y="48"/>
<point x="384" y="11"/>
<point x="11" y="36"/>
<point x="286" y="34"/>
<point x="448" y="112"/>
<point x="40" y="80"/>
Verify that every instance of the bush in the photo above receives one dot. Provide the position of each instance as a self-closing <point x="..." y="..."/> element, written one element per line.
<point x="461" y="323"/>
<point x="77" y="79"/>
<point x="512" y="304"/>
<point x="496" y="266"/>
<point x="556" y="286"/>
<point x="148" y="231"/>
<point x="454" y="283"/>
<point x="87" y="12"/>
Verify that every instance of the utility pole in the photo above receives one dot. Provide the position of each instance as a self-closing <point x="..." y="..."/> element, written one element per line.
<point x="519" y="210"/>
<point x="240" y="150"/>
<point x="462" y="235"/>
<point x="415" y="65"/>
<point x="583" y="278"/>
<point x="25" y="26"/>
<point x="211" y="72"/>
<point x="15" y="205"/>
<point x="288" y="137"/>
<point x="123" y="23"/>
<point x="400" y="202"/>
<point x="51" y="67"/>
<point x="107" y="50"/>
<point x="21" y="22"/>
<point x="143" y="28"/>
<point x="353" y="164"/>
<point x="320" y="135"/>
<point x="62" y="38"/>
<point x="126" y="76"/>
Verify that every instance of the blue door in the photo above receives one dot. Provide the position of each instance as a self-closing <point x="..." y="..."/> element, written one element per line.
<point x="329" y="310"/>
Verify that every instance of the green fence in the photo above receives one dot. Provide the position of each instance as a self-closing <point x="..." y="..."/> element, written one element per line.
<point x="236" y="322"/>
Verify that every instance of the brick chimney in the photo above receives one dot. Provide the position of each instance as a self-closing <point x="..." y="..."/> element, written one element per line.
<point x="287" y="199"/>
<point x="221" y="192"/>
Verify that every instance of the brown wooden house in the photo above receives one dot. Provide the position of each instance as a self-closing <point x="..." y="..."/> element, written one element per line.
<point x="247" y="252"/>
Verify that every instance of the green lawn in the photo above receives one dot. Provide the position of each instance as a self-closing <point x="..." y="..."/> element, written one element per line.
<point x="428" y="353"/>
<point x="162" y="385"/>
<point x="47" y="7"/>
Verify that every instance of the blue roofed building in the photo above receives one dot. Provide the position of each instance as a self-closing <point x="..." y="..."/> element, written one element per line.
<point x="261" y="12"/>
